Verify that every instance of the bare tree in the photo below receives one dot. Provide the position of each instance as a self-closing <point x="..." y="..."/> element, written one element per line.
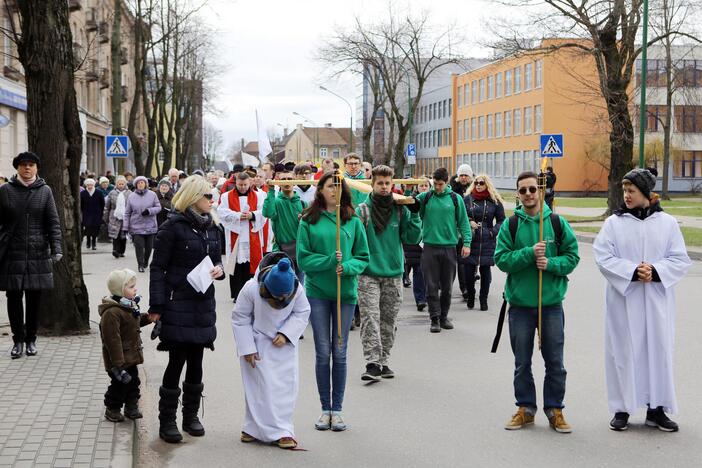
<point x="670" y="20"/>
<point x="46" y="53"/>
<point x="401" y="52"/>
<point x="212" y="142"/>
<point x="605" y="29"/>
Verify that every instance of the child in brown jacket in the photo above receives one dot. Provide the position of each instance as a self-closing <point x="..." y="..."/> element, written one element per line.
<point x="120" y="323"/>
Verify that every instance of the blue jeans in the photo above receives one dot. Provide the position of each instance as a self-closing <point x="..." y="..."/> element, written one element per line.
<point x="326" y="346"/>
<point x="418" y="287"/>
<point x="522" y="326"/>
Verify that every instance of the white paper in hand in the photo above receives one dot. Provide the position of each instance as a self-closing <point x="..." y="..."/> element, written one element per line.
<point x="200" y="278"/>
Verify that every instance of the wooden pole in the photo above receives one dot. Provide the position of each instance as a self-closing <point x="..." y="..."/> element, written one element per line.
<point x="542" y="196"/>
<point x="362" y="181"/>
<point x="352" y="183"/>
<point x="337" y="185"/>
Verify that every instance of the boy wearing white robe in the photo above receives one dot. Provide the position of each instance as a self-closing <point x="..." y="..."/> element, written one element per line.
<point x="268" y="319"/>
<point x="641" y="253"/>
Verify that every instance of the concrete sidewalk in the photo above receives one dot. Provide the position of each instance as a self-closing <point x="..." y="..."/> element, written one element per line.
<point x="51" y="405"/>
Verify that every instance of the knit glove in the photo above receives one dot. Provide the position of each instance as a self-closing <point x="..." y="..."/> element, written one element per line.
<point x="145" y="213"/>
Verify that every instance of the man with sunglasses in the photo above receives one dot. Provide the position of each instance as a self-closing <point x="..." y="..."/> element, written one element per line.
<point x="520" y="254"/>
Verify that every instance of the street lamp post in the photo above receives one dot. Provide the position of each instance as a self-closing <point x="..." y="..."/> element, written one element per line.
<point x="315" y="155"/>
<point x="351" y="112"/>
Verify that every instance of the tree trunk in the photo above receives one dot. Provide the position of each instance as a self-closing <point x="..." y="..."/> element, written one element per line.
<point x="622" y="145"/>
<point x="55" y="134"/>
<point x="400" y="150"/>
<point x="139" y="60"/>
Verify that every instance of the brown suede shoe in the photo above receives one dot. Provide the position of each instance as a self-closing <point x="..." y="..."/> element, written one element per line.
<point x="558" y="422"/>
<point x="520" y="419"/>
<point x="287" y="443"/>
<point x="247" y="438"/>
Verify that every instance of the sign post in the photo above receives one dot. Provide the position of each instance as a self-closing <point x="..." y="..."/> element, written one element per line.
<point x="411" y="154"/>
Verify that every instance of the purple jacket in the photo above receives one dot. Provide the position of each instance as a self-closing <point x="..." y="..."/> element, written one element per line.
<point x="136" y="223"/>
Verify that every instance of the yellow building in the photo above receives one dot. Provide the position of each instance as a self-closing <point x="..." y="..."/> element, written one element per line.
<point x="501" y="109"/>
<point x="317" y="143"/>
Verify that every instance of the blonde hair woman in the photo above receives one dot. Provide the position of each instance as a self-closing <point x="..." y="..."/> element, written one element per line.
<point x="486" y="213"/>
<point x="187" y="315"/>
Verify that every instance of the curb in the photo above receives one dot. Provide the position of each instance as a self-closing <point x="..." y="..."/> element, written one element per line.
<point x="695" y="255"/>
<point x="123" y="445"/>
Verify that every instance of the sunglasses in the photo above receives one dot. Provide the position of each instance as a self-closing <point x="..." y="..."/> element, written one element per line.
<point x="208" y="196"/>
<point x="286" y="178"/>
<point x="532" y="189"/>
<point x="479" y="182"/>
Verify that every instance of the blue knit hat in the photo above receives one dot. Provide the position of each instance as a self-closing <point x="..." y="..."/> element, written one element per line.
<point x="280" y="280"/>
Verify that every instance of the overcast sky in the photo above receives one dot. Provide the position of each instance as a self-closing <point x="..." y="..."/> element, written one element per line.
<point x="266" y="51"/>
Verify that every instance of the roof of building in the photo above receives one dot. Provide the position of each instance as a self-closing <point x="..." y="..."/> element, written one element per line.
<point x="328" y="136"/>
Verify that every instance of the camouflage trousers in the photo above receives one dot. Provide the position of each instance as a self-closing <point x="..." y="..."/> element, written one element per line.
<point x="379" y="301"/>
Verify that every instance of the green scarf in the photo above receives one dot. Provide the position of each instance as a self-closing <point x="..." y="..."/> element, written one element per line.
<point x="381" y="210"/>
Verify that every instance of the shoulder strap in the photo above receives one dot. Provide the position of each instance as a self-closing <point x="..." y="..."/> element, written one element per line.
<point x="513" y="225"/>
<point x="557" y="228"/>
<point x="454" y="199"/>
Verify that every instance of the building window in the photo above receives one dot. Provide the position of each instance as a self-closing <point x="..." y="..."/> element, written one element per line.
<point x="508" y="123"/>
<point x="498" y="164"/>
<point x="517" y="122"/>
<point x="490" y="87"/>
<point x="688" y="74"/>
<point x="465" y="94"/>
<point x="518" y="167"/>
<point x="688" y="119"/>
<point x="517" y="80"/>
<point x="508" y="164"/>
<point x="449" y="140"/>
<point x="474" y="92"/>
<point x="441" y="110"/>
<point x="527" y="120"/>
<point x="459" y="134"/>
<point x="439" y="141"/>
<point x="434" y="109"/>
<point x="482" y="89"/>
<point x="481" y="127"/>
<point x="433" y="139"/>
<point x="537" y="119"/>
<point x="322" y="152"/>
<point x="498" y="85"/>
<point x="459" y="96"/>
<point x="528" y="75"/>
<point x="539" y="68"/>
<point x="498" y="125"/>
<point x="336" y="153"/>
<point x="444" y="114"/>
<point x="490" y="128"/>
<point x="690" y="165"/>
<point x="473" y="128"/>
<point x="508" y="83"/>
<point x="465" y="129"/>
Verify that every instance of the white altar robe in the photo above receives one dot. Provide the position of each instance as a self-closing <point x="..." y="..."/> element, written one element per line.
<point x="271" y="387"/>
<point x="232" y="222"/>
<point x="640" y="317"/>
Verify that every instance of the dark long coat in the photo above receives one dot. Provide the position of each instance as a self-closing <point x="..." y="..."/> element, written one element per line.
<point x="491" y="215"/>
<point x="187" y="316"/>
<point x="32" y="212"/>
<point x="91" y="208"/>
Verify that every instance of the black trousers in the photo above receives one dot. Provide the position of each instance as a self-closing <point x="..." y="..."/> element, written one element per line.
<point x="143" y="244"/>
<point x="177" y="358"/>
<point x="119" y="245"/>
<point x="23" y="331"/>
<point x="239" y="278"/>
<point x="485" y="279"/>
<point x="462" y="281"/>
<point x="119" y="393"/>
<point x="91" y="235"/>
<point x="439" y="270"/>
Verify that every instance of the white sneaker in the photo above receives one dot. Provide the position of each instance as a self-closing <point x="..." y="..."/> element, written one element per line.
<point x="324" y="421"/>
<point x="337" y="422"/>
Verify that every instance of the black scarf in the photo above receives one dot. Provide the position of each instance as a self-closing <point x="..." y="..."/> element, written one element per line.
<point x="381" y="210"/>
<point x="640" y="213"/>
<point x="201" y="221"/>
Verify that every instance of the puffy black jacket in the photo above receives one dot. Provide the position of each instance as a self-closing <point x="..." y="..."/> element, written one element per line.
<point x="187" y="316"/>
<point x="166" y="206"/>
<point x="491" y="215"/>
<point x="37" y="235"/>
<point x="413" y="254"/>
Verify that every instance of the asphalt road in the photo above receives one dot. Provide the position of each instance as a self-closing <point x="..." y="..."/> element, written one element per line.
<point x="450" y="399"/>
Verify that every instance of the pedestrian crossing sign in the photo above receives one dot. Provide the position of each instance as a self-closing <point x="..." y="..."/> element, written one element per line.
<point x="116" y="146"/>
<point x="552" y="146"/>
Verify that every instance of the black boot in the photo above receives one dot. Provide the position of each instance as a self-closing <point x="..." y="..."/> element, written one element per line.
<point x="483" y="303"/>
<point x="131" y="409"/>
<point x="167" y="408"/>
<point x="470" y="300"/>
<point x="17" y="351"/>
<point x="191" y="404"/>
<point x="31" y="348"/>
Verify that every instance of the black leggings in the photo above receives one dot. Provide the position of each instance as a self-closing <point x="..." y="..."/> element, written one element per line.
<point x="177" y="357"/>
<point x="23" y="331"/>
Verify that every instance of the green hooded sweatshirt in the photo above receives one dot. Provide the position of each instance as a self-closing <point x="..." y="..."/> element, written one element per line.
<point x="387" y="258"/>
<point x="442" y="221"/>
<point x="316" y="256"/>
<point x="284" y="213"/>
<point x="357" y="197"/>
<point x="517" y="259"/>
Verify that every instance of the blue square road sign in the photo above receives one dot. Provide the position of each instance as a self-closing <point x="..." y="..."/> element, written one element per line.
<point x="116" y="146"/>
<point x="552" y="146"/>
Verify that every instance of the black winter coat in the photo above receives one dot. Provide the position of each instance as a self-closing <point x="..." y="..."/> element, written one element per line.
<point x="413" y="254"/>
<point x="91" y="208"/>
<point x="166" y="206"/>
<point x="491" y="215"/>
<point x="32" y="212"/>
<point x="187" y="316"/>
